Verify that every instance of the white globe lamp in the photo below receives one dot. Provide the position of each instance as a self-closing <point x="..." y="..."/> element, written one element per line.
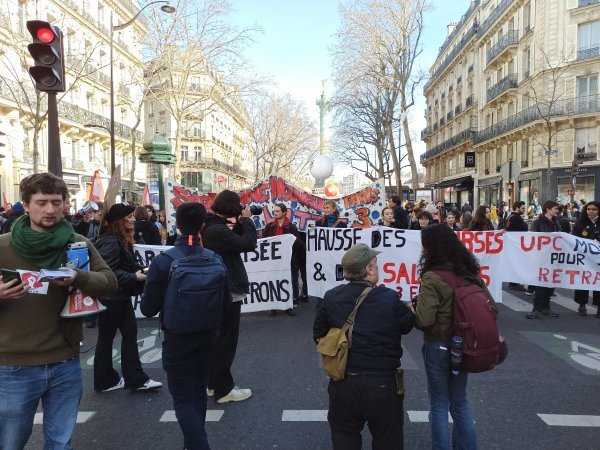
<point x="321" y="167"/>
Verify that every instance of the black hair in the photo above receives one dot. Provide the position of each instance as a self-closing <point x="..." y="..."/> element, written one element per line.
<point x="141" y="213"/>
<point x="441" y="246"/>
<point x="479" y="216"/>
<point x="227" y="203"/>
<point x="583" y="215"/>
<point x="282" y="207"/>
<point x="517" y="205"/>
<point x="549" y="204"/>
<point x="424" y="215"/>
<point x="189" y="218"/>
<point x="46" y="183"/>
<point x="396" y="199"/>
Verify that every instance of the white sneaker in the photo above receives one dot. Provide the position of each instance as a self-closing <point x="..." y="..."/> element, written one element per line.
<point x="236" y="395"/>
<point x="210" y="392"/>
<point x="149" y="385"/>
<point x="119" y="385"/>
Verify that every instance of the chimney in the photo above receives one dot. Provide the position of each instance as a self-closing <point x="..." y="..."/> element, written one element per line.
<point x="451" y="27"/>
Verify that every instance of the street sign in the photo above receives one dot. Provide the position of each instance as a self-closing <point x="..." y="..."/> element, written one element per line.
<point x="552" y="152"/>
<point x="510" y="170"/>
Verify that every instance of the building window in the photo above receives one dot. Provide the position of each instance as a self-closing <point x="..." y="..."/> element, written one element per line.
<point x="509" y="152"/>
<point x="526" y="18"/>
<point x="498" y="158"/>
<point x="588" y="40"/>
<point x="586" y="140"/>
<point x="525" y="153"/>
<point x="526" y="62"/>
<point x="197" y="153"/>
<point x="192" y="179"/>
<point x="184" y="153"/>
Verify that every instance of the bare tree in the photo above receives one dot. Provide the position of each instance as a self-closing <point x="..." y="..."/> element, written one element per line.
<point x="375" y="56"/>
<point x="283" y="138"/>
<point x="547" y="92"/>
<point x="19" y="87"/>
<point x="197" y="62"/>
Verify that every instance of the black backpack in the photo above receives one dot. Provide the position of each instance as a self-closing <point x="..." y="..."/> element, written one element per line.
<point x="194" y="298"/>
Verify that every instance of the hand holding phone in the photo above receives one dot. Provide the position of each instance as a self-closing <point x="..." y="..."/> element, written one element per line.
<point x="12" y="286"/>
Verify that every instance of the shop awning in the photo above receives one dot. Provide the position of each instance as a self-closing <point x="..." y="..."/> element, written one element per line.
<point x="456" y="182"/>
<point x="529" y="175"/>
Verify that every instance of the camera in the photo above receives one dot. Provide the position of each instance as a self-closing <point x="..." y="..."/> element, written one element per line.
<point x="87" y="208"/>
<point x="255" y="209"/>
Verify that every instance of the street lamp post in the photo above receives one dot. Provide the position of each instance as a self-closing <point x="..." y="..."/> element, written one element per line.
<point x="166" y="9"/>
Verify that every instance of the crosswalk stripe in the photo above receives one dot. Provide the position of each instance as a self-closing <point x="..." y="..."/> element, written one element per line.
<point x="568" y="420"/>
<point x="515" y="303"/>
<point x="82" y="417"/>
<point x="320" y="415"/>
<point x="304" y="415"/>
<point x="422" y="416"/>
<point x="565" y="302"/>
<point x="212" y="415"/>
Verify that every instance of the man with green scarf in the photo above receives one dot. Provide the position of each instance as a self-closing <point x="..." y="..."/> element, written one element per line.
<point x="39" y="350"/>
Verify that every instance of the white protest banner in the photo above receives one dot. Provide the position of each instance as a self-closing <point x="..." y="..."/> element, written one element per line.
<point x="270" y="275"/>
<point x="399" y="258"/>
<point x="268" y="268"/>
<point x="552" y="260"/>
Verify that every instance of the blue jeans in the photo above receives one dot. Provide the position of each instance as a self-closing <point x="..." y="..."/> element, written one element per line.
<point x="58" y="385"/>
<point x="447" y="390"/>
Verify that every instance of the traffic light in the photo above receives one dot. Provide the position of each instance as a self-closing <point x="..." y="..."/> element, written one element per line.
<point x="576" y="164"/>
<point x="48" y="71"/>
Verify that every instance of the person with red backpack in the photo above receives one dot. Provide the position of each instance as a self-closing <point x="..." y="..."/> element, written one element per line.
<point x="445" y="262"/>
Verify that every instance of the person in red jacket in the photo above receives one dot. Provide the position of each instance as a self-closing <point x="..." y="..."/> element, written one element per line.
<point x="282" y="225"/>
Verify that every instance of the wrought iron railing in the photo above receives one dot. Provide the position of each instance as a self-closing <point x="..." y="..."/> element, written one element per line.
<point x="583" y="3"/>
<point x="511" y="37"/>
<point x="459" y="138"/>
<point x="493" y="17"/>
<point x="588" y="53"/>
<point x="506" y="83"/>
<point x="469" y="101"/>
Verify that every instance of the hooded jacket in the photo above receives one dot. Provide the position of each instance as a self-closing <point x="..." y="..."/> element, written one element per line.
<point x="229" y="244"/>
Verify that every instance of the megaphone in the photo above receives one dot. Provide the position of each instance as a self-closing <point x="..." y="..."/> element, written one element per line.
<point x="88" y="207"/>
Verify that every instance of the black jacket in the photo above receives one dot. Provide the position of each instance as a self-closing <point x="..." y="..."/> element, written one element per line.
<point x="323" y="223"/>
<point x="380" y="322"/>
<point x="515" y="222"/>
<point x="229" y="244"/>
<point x="123" y="264"/>
<point x="587" y="229"/>
<point x="146" y="233"/>
<point x="543" y="225"/>
<point x="400" y="218"/>
<point x="298" y="248"/>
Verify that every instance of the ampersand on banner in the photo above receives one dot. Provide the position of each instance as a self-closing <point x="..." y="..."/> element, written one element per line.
<point x="321" y="276"/>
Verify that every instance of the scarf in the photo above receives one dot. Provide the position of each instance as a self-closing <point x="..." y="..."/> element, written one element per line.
<point x="45" y="250"/>
<point x="279" y="227"/>
<point x="330" y="219"/>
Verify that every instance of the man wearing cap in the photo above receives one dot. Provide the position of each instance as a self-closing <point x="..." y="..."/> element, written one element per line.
<point x="368" y="392"/>
<point x="185" y="356"/>
<point x="39" y="350"/>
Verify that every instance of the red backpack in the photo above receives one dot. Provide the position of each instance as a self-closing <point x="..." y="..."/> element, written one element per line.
<point x="474" y="318"/>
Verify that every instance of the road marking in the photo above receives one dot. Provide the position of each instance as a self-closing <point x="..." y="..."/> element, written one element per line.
<point x="320" y="415"/>
<point x="567" y="420"/>
<point x="422" y="416"/>
<point x="515" y="303"/>
<point x="82" y="417"/>
<point x="565" y="302"/>
<point x="304" y="415"/>
<point x="212" y="415"/>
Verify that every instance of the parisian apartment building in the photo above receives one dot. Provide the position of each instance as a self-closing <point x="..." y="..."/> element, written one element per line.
<point x="86" y="27"/>
<point x="515" y="85"/>
<point x="214" y="131"/>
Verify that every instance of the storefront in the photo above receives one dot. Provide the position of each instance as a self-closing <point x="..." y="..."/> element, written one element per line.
<point x="529" y="186"/>
<point x="457" y="191"/>
<point x="488" y="190"/>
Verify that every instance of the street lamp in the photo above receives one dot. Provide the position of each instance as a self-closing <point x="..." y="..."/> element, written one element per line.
<point x="164" y="8"/>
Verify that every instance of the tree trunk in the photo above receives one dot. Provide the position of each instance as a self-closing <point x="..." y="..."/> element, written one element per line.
<point x="177" y="165"/>
<point x="133" y="142"/>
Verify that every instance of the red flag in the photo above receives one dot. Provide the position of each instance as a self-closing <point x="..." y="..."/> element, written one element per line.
<point x="97" y="190"/>
<point x="5" y="203"/>
<point x="146" y="196"/>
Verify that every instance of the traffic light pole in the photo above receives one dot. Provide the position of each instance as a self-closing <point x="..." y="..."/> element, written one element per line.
<point x="54" y="154"/>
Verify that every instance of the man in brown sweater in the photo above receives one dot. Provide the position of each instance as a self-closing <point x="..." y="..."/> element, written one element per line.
<point x="39" y="350"/>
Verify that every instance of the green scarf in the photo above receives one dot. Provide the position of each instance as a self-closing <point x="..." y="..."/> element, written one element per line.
<point x="45" y="250"/>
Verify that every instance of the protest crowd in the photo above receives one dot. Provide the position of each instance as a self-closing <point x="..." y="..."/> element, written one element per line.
<point x="206" y="254"/>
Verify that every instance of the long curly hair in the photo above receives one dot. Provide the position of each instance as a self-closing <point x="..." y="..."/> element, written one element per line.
<point x="583" y="216"/>
<point x="119" y="228"/>
<point x="441" y="246"/>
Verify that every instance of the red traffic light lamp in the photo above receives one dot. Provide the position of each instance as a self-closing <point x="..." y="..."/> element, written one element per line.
<point x="48" y="71"/>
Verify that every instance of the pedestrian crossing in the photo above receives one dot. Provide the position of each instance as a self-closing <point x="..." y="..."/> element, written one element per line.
<point x="517" y="304"/>
<point x="320" y="415"/>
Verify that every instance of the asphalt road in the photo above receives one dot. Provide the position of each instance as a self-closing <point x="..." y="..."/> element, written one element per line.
<point x="545" y="396"/>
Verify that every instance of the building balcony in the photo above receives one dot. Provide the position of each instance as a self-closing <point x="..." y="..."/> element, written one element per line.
<point x="455" y="140"/>
<point x="452" y="56"/>
<point x="506" y="42"/>
<point x="190" y="135"/>
<point x="563" y="108"/>
<point x="588" y="53"/>
<point x="73" y="164"/>
<point x="505" y="84"/>
<point x="493" y="17"/>
<point x="425" y="132"/>
<point x="584" y="3"/>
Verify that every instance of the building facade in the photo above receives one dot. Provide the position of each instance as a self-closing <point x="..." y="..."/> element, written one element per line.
<point x="213" y="127"/>
<point x="516" y="80"/>
<point x="86" y="27"/>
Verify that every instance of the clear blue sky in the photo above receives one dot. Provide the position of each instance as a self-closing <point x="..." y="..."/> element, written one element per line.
<point x="297" y="35"/>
